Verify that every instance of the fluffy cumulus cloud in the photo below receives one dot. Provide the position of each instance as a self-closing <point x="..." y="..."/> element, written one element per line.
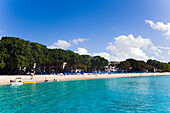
<point x="161" y="27"/>
<point x="76" y="41"/>
<point x="169" y="52"/>
<point x="105" y="55"/>
<point x="124" y="47"/>
<point x="60" y="44"/>
<point x="156" y="50"/>
<point x="129" y="47"/>
<point x="65" y="44"/>
<point x="82" y="51"/>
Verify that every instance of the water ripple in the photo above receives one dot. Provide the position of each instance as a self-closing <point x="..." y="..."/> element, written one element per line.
<point x="145" y="94"/>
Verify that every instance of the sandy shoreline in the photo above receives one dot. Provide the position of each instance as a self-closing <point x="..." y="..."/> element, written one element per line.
<point x="4" y="80"/>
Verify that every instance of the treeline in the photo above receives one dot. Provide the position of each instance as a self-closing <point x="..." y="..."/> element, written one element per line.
<point x="132" y="65"/>
<point x="19" y="55"/>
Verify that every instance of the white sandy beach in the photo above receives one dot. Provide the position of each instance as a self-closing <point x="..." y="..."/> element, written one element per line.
<point x="4" y="80"/>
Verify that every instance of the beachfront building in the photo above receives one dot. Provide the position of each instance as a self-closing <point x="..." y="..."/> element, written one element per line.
<point x="111" y="66"/>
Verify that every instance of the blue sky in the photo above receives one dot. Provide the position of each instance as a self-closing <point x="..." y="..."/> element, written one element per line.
<point x="114" y="29"/>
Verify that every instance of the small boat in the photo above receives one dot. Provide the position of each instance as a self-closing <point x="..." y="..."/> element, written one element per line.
<point x="17" y="81"/>
<point x="29" y="82"/>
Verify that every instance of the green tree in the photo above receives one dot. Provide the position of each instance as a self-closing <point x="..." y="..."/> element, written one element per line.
<point x="160" y="66"/>
<point x="125" y="65"/>
<point x="137" y="65"/>
<point x="17" y="54"/>
<point x="98" y="63"/>
<point x="87" y="62"/>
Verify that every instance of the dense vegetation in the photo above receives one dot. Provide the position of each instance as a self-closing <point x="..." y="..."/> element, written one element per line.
<point x="131" y="65"/>
<point x="19" y="55"/>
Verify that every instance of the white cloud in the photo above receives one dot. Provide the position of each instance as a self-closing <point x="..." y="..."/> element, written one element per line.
<point x="166" y="48"/>
<point x="64" y="44"/>
<point x="60" y="44"/>
<point x="138" y="48"/>
<point x="105" y="55"/>
<point x="76" y="41"/>
<point x="155" y="50"/>
<point x="169" y="52"/>
<point x="161" y="27"/>
<point x="129" y="47"/>
<point x="82" y="51"/>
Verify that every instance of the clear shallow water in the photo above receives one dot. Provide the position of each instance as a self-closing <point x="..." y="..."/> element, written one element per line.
<point x="140" y="94"/>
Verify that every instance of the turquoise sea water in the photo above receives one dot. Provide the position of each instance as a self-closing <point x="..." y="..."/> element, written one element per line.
<point x="140" y="94"/>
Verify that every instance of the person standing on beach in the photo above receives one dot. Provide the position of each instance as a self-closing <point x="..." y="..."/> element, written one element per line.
<point x="32" y="74"/>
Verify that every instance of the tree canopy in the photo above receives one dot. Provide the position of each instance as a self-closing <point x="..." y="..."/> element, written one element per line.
<point x="136" y="65"/>
<point x="160" y="66"/>
<point x="17" y="54"/>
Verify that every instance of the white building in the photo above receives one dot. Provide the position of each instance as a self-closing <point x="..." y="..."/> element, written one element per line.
<point x="111" y="67"/>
